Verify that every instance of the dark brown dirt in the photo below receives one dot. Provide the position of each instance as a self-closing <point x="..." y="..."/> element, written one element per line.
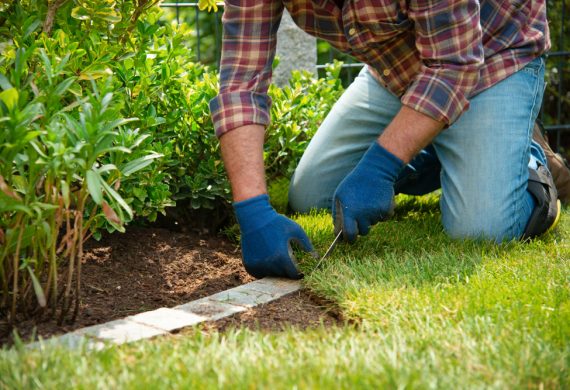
<point x="145" y="269"/>
<point x="148" y="268"/>
<point x="299" y="310"/>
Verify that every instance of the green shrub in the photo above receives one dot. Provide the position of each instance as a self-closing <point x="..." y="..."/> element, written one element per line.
<point x="72" y="158"/>
<point x="103" y="119"/>
<point x="296" y="113"/>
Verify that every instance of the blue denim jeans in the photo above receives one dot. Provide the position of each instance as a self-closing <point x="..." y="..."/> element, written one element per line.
<point x="480" y="162"/>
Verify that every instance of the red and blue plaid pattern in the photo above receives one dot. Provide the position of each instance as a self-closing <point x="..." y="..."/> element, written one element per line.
<point x="434" y="55"/>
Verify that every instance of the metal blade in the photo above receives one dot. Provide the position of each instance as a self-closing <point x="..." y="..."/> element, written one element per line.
<point x="328" y="252"/>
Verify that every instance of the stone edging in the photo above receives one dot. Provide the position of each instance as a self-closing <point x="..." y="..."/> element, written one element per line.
<point x="165" y="320"/>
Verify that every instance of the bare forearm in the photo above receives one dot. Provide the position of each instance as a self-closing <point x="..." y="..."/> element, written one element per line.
<point x="242" y="151"/>
<point x="408" y="133"/>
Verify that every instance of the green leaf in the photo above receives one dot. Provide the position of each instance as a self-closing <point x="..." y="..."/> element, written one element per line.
<point x="76" y="90"/>
<point x="111" y="17"/>
<point x="65" y="193"/>
<point x="139" y="193"/>
<point x="113" y="149"/>
<point x="128" y="54"/>
<point x="80" y="13"/>
<point x="47" y="232"/>
<point x="118" y="198"/>
<point x="95" y="73"/>
<point x="139" y="140"/>
<point x="97" y="235"/>
<point x="139" y="163"/>
<point x="64" y="85"/>
<point x="10" y="98"/>
<point x="22" y="56"/>
<point x="37" y="288"/>
<point x="7" y="204"/>
<point x="121" y="122"/>
<point x="31" y="28"/>
<point x="4" y="82"/>
<point x="94" y="186"/>
<point x="59" y="68"/>
<point x="107" y="168"/>
<point x="47" y="65"/>
<point x="27" y="236"/>
<point x="20" y="183"/>
<point x="31" y="135"/>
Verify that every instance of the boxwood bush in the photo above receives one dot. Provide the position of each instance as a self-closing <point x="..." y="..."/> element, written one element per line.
<point x="103" y="121"/>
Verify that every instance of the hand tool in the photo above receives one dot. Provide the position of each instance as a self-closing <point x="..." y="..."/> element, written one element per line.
<point x="328" y="252"/>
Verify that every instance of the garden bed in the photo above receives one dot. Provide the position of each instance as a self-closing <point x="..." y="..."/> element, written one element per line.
<point x="149" y="268"/>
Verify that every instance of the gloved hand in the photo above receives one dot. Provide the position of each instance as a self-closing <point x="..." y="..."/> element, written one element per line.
<point x="366" y="195"/>
<point x="266" y="238"/>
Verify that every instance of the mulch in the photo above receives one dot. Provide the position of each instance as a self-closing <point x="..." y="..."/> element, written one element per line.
<point x="148" y="268"/>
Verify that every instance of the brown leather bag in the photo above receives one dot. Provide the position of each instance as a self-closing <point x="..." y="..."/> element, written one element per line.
<point x="556" y="164"/>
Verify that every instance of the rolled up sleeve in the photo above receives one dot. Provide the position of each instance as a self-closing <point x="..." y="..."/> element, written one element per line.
<point x="449" y="41"/>
<point x="248" y="49"/>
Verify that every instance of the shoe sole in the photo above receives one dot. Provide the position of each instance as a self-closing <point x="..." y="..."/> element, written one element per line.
<point x="557" y="219"/>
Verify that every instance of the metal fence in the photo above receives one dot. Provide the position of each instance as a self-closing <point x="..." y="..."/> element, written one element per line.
<point x="555" y="112"/>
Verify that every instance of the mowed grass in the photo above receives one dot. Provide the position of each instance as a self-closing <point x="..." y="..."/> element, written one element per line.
<point x="422" y="311"/>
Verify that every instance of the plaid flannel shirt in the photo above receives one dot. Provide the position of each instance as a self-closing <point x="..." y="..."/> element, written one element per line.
<point x="433" y="55"/>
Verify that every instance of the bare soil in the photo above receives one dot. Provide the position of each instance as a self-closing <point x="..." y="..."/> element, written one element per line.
<point x="299" y="310"/>
<point x="148" y="268"/>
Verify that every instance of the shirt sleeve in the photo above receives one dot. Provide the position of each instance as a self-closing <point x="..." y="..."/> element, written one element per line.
<point x="248" y="48"/>
<point x="449" y="42"/>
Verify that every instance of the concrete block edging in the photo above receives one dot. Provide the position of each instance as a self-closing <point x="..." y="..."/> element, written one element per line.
<point x="164" y="320"/>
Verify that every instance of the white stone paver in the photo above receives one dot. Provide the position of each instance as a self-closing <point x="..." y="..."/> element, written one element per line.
<point x="275" y="286"/>
<point x="164" y="320"/>
<point x="121" y="331"/>
<point x="167" y="319"/>
<point x="211" y="309"/>
<point x="242" y="297"/>
<point x="69" y="340"/>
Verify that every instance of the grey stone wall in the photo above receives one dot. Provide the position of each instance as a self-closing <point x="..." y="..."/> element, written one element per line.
<point x="296" y="50"/>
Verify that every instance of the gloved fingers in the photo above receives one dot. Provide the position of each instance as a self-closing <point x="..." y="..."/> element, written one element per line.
<point x="289" y="265"/>
<point x="337" y="216"/>
<point x="262" y="257"/>
<point x="343" y="221"/>
<point x="390" y="213"/>
<point x="282" y="265"/>
<point x="256" y="272"/>
<point x="363" y="226"/>
<point x="349" y="229"/>
<point x="300" y="238"/>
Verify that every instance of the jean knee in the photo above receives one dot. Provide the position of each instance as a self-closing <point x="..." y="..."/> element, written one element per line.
<point x="487" y="225"/>
<point x="305" y="194"/>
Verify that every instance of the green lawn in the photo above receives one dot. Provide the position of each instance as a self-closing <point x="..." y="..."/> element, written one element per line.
<point x="427" y="312"/>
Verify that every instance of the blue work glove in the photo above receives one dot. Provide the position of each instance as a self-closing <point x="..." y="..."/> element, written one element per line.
<point x="366" y="195"/>
<point x="266" y="238"/>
